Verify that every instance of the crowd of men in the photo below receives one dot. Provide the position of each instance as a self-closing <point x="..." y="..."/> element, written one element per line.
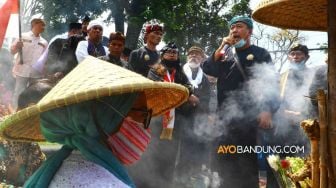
<point x="255" y="104"/>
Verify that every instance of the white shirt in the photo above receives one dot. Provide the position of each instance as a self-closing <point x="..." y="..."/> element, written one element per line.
<point x="78" y="172"/>
<point x="82" y="50"/>
<point x="33" y="48"/>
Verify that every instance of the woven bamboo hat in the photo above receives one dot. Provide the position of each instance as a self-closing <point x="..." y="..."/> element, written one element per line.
<point x="91" y="79"/>
<point x="293" y="14"/>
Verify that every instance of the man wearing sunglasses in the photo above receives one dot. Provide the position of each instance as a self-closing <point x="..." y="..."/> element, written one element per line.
<point x="93" y="45"/>
<point x="169" y="128"/>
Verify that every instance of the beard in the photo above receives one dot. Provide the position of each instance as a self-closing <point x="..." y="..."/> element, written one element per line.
<point x="171" y="64"/>
<point x="193" y="63"/>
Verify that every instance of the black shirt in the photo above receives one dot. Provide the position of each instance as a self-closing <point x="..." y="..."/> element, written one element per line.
<point x="230" y="77"/>
<point x="141" y="59"/>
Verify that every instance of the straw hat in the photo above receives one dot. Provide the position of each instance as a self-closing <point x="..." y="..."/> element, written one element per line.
<point x="293" y="14"/>
<point x="91" y="79"/>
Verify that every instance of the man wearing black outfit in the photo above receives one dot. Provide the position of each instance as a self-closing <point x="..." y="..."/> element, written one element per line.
<point x="232" y="63"/>
<point x="161" y="163"/>
<point x="143" y="58"/>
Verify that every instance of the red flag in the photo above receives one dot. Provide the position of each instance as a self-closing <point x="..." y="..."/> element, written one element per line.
<point x="10" y="6"/>
<point x="15" y="7"/>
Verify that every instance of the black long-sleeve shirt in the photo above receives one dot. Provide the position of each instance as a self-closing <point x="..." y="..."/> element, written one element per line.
<point x="141" y="59"/>
<point x="230" y="77"/>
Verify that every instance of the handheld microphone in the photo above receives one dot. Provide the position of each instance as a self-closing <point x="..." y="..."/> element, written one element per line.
<point x="226" y="46"/>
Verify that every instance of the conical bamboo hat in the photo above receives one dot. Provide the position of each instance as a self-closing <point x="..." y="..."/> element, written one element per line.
<point x="90" y="80"/>
<point x="293" y="14"/>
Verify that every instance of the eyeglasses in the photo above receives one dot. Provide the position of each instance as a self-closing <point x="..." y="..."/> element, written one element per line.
<point x="147" y="113"/>
<point x="171" y="52"/>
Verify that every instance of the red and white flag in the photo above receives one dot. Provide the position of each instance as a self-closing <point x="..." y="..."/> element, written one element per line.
<point x="6" y="9"/>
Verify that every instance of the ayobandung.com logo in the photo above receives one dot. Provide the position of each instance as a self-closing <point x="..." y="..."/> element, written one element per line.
<point x="238" y="149"/>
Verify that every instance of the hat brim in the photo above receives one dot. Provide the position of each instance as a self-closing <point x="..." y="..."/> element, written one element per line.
<point x="293" y="14"/>
<point x="92" y="79"/>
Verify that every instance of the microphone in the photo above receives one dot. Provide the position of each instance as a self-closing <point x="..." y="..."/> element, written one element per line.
<point x="226" y="46"/>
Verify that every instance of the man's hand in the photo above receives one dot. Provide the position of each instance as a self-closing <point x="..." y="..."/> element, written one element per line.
<point x="228" y="40"/>
<point x="292" y="113"/>
<point x="265" y="120"/>
<point x="193" y="100"/>
<point x="294" y="117"/>
<point x="16" y="47"/>
<point x="19" y="45"/>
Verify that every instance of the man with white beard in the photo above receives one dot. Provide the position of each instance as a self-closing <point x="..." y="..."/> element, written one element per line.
<point x="192" y="68"/>
<point x="194" y="144"/>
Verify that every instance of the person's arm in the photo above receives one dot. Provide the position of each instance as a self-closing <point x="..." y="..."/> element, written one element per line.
<point x="193" y="99"/>
<point x="157" y="72"/>
<point x="187" y="84"/>
<point x="319" y="82"/>
<point x="271" y="102"/>
<point x="267" y="57"/>
<point x="106" y="50"/>
<point x="210" y="67"/>
<point x="215" y="64"/>
<point x="205" y="94"/>
<point x="222" y="49"/>
<point x="17" y="44"/>
<point x="132" y="60"/>
<point x="81" y="51"/>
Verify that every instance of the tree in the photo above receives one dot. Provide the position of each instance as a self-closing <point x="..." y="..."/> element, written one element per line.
<point x="186" y="21"/>
<point x="189" y="22"/>
<point x="58" y="14"/>
<point x="29" y="8"/>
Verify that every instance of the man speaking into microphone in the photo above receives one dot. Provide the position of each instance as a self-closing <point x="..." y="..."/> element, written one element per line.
<point x="240" y="114"/>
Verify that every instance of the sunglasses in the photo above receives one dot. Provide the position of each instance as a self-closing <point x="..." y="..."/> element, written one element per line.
<point x="146" y="113"/>
<point x="171" y="52"/>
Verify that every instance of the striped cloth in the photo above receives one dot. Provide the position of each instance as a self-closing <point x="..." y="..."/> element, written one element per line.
<point x="130" y="141"/>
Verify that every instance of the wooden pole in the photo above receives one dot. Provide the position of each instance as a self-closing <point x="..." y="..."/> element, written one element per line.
<point x="321" y="98"/>
<point x="311" y="128"/>
<point x="20" y="30"/>
<point x="315" y="163"/>
<point x="331" y="108"/>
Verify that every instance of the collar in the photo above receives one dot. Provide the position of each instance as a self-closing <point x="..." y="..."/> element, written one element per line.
<point x="33" y="35"/>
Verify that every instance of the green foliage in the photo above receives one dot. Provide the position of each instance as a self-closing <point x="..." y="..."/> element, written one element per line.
<point x="241" y="8"/>
<point x="200" y="22"/>
<point x="58" y="14"/>
<point x="296" y="163"/>
<point x="187" y="22"/>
